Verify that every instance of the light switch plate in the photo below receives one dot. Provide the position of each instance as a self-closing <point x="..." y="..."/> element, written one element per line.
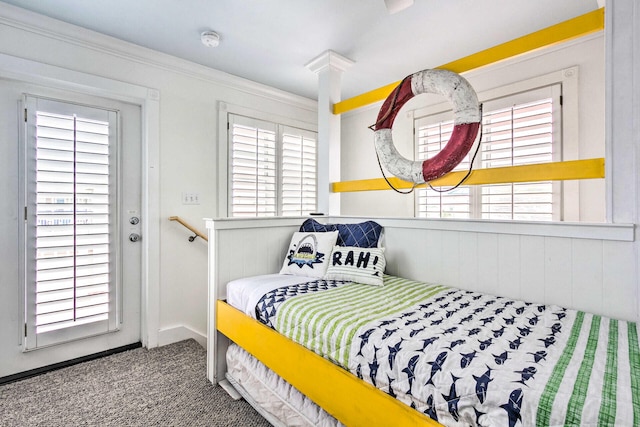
<point x="190" y="198"/>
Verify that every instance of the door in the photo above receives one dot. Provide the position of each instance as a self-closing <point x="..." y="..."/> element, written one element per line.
<point x="78" y="226"/>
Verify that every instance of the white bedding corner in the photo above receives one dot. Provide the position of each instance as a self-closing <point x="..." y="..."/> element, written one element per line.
<point x="245" y="293"/>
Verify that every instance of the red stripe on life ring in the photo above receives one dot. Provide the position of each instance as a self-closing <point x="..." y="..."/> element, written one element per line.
<point x="459" y="145"/>
<point x="392" y="105"/>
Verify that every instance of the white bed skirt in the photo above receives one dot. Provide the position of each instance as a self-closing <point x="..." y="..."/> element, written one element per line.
<point x="274" y="398"/>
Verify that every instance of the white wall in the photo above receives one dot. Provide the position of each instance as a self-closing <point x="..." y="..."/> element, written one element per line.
<point x="358" y="153"/>
<point x="188" y="132"/>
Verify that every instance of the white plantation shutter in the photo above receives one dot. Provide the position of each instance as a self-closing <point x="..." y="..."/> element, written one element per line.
<point x="70" y="220"/>
<point x="253" y="168"/>
<point x="299" y="172"/>
<point x="431" y="138"/>
<point x="518" y="135"/>
<point x="272" y="169"/>
<point x="517" y="130"/>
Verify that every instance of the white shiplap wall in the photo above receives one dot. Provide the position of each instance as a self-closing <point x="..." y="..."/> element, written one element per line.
<point x="588" y="267"/>
<point x="585" y="273"/>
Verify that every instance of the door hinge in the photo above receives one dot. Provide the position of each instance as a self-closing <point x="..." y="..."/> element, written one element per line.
<point x="25" y="213"/>
<point x="561" y="99"/>
<point x="25" y="330"/>
<point x="25" y="115"/>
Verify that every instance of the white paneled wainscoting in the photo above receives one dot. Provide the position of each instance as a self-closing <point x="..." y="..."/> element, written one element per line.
<point x="590" y="267"/>
<point x="580" y="266"/>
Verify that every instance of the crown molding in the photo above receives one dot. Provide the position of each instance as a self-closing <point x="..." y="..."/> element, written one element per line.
<point x="329" y="59"/>
<point x="50" y="28"/>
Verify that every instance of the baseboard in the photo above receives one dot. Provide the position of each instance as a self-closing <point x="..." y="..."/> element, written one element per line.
<point x="44" y="369"/>
<point x="180" y="333"/>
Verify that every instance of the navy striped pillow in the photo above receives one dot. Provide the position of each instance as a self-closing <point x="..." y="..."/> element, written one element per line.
<point x="362" y="235"/>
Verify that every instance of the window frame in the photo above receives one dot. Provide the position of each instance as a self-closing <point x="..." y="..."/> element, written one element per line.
<point x="264" y="127"/>
<point x="520" y="99"/>
<point x="565" y="193"/>
<point x="304" y="134"/>
<point x="225" y="111"/>
<point x="34" y="340"/>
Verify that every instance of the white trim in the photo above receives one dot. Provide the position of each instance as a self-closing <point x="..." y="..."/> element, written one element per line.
<point x="329" y="58"/>
<point x="223" y="160"/>
<point x="180" y="333"/>
<point x="267" y="116"/>
<point x="148" y="98"/>
<point x="610" y="232"/>
<point x="244" y="223"/>
<point x="150" y="314"/>
<point x="58" y="30"/>
<point x="600" y="231"/>
<point x="608" y="115"/>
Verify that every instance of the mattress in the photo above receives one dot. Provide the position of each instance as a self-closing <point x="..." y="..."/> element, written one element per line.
<point x="267" y="392"/>
<point x="245" y="293"/>
<point x="465" y="358"/>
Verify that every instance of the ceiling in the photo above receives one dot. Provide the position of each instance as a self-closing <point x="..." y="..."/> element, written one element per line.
<point x="270" y="41"/>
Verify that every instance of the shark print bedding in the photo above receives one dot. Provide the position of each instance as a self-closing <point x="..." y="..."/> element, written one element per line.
<point x="466" y="358"/>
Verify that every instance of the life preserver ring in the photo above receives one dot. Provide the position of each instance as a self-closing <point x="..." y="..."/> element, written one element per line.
<point x="467" y="118"/>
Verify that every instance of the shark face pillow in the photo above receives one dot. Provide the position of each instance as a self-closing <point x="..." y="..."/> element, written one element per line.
<point x="308" y="254"/>
<point x="359" y="265"/>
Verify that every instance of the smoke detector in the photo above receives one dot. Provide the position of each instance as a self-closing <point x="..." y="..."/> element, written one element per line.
<point x="394" y="6"/>
<point x="210" y="38"/>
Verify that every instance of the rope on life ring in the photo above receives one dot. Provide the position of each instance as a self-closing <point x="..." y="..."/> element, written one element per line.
<point x="467" y="118"/>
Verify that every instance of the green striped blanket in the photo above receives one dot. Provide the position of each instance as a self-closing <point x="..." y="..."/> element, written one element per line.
<point x="466" y="358"/>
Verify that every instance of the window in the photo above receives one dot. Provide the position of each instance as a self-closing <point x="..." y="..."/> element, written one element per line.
<point x="69" y="216"/>
<point x="272" y="169"/>
<point x="518" y="135"/>
<point x="517" y="130"/>
<point x="298" y="172"/>
<point x="433" y="204"/>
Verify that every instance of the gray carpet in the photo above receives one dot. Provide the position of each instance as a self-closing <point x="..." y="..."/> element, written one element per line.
<point x="164" y="386"/>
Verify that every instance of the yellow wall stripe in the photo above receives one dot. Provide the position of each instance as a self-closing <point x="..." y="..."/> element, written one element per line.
<point x="555" y="171"/>
<point x="573" y="28"/>
<point x="328" y="385"/>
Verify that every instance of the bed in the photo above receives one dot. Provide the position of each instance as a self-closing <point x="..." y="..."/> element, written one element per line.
<point x="430" y="353"/>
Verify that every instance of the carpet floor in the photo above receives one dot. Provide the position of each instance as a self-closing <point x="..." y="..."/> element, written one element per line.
<point x="164" y="386"/>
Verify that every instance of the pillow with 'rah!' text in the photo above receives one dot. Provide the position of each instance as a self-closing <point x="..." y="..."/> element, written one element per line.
<point x="308" y="254"/>
<point x="359" y="265"/>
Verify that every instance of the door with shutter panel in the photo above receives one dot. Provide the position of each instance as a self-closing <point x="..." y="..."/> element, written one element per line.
<point x="80" y="190"/>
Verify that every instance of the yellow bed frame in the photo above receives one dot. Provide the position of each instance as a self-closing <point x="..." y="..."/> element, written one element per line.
<point x="328" y="385"/>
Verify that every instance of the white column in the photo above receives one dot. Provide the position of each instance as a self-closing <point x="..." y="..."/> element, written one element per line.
<point x="622" y="117"/>
<point x="329" y="67"/>
<point x="622" y="86"/>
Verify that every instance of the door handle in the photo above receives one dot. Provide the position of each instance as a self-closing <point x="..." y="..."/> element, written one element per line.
<point x="134" y="237"/>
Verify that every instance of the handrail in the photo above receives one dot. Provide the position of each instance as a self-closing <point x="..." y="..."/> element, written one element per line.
<point x="190" y="227"/>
